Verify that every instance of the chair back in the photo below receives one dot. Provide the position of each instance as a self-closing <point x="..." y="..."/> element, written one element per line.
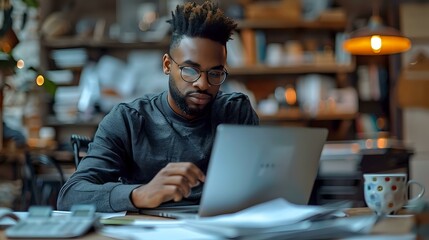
<point x="42" y="180"/>
<point x="80" y="145"/>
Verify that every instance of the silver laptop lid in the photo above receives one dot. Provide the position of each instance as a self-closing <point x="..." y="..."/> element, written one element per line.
<point x="254" y="164"/>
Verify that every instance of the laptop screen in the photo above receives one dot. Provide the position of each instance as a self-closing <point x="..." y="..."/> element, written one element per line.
<point x="254" y="164"/>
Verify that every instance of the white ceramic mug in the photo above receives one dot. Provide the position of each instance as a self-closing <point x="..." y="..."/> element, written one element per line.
<point x="388" y="192"/>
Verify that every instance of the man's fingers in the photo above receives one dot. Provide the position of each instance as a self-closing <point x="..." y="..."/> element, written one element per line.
<point x="180" y="183"/>
<point x="172" y="192"/>
<point x="178" y="197"/>
<point x="197" y="172"/>
<point x="186" y="169"/>
<point x="173" y="182"/>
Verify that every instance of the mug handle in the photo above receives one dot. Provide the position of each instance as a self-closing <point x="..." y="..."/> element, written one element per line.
<point x="421" y="193"/>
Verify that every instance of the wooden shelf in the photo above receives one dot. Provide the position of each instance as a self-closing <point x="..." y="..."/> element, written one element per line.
<point x="260" y="78"/>
<point x="291" y="69"/>
<point x="278" y="24"/>
<point x="52" y="121"/>
<point x="70" y="42"/>
<point x="295" y="114"/>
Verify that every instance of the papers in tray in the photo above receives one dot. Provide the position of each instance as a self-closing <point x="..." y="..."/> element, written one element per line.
<point x="279" y="218"/>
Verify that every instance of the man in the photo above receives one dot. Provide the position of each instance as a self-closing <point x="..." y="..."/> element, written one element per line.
<point x="156" y="149"/>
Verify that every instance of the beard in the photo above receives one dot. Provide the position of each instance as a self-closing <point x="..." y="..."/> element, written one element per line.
<point x="180" y="100"/>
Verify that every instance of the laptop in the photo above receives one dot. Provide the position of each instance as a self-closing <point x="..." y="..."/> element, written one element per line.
<point x="254" y="164"/>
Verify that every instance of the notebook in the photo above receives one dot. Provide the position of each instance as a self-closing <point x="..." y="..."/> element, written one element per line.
<point x="254" y="164"/>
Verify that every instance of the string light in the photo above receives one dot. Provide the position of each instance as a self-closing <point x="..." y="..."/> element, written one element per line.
<point x="20" y="64"/>
<point x="40" y="80"/>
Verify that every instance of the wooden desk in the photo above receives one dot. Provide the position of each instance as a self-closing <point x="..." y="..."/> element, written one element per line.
<point x="390" y="226"/>
<point x="402" y="224"/>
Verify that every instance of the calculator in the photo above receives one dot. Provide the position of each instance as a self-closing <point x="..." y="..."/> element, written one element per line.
<point x="41" y="224"/>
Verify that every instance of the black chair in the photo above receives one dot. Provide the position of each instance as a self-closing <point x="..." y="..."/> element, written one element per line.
<point x="42" y="180"/>
<point x="80" y="146"/>
<point x="43" y="176"/>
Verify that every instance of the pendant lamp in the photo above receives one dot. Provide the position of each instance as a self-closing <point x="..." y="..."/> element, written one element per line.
<point x="376" y="39"/>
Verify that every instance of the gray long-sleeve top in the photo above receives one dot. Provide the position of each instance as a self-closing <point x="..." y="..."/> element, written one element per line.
<point x="136" y="140"/>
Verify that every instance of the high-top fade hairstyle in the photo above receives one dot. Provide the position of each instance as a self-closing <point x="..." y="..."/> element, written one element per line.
<point x="206" y="21"/>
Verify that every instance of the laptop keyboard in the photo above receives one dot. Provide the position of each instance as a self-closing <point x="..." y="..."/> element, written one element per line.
<point x="187" y="212"/>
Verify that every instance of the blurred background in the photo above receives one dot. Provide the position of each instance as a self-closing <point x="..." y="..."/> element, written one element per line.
<point x="65" y="64"/>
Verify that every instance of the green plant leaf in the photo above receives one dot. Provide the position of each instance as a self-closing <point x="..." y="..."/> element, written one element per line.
<point x="31" y="3"/>
<point x="49" y="86"/>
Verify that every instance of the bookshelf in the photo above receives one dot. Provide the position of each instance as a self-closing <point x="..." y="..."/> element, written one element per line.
<point x="70" y="42"/>
<point x="295" y="114"/>
<point x="261" y="69"/>
<point x="297" y="24"/>
<point x="319" y="38"/>
<point x="317" y="46"/>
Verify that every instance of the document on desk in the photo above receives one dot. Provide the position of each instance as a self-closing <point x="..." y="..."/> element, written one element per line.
<point x="279" y="218"/>
<point x="170" y="231"/>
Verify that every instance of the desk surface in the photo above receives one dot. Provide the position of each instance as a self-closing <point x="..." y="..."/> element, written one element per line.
<point x="401" y="224"/>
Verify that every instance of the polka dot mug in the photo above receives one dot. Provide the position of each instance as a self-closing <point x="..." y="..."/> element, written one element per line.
<point x="387" y="193"/>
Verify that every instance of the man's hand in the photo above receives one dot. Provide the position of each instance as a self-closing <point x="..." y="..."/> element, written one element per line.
<point x="173" y="182"/>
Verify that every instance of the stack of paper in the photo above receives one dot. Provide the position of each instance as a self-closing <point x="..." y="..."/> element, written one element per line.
<point x="276" y="219"/>
<point x="66" y="100"/>
<point x="279" y="218"/>
<point x="70" y="58"/>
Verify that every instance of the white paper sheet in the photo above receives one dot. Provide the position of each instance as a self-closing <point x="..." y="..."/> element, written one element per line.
<point x="277" y="212"/>
<point x="273" y="219"/>
<point x="279" y="218"/>
<point x="159" y="232"/>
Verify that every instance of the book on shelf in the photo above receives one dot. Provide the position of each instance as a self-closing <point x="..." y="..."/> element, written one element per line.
<point x="246" y="48"/>
<point x="372" y="82"/>
<point x="366" y="125"/>
<point x="235" y="57"/>
<point x="261" y="45"/>
<point x="249" y="46"/>
<point x="341" y="57"/>
<point x="363" y="83"/>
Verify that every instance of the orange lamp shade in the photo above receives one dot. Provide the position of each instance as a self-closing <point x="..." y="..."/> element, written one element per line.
<point x="377" y="45"/>
<point x="376" y="39"/>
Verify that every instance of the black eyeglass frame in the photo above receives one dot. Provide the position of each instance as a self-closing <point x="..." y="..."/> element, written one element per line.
<point x="199" y="71"/>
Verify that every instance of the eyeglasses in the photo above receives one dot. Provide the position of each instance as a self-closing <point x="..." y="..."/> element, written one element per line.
<point x="191" y="74"/>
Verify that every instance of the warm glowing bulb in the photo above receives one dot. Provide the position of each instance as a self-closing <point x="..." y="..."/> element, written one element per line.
<point x="382" y="143"/>
<point x="40" y="80"/>
<point x="290" y="95"/>
<point x="376" y="43"/>
<point x="20" y="64"/>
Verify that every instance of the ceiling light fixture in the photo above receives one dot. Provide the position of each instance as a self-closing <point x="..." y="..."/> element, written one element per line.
<point x="376" y="39"/>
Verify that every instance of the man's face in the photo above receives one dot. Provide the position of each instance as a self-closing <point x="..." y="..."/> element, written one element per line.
<point x="191" y="100"/>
